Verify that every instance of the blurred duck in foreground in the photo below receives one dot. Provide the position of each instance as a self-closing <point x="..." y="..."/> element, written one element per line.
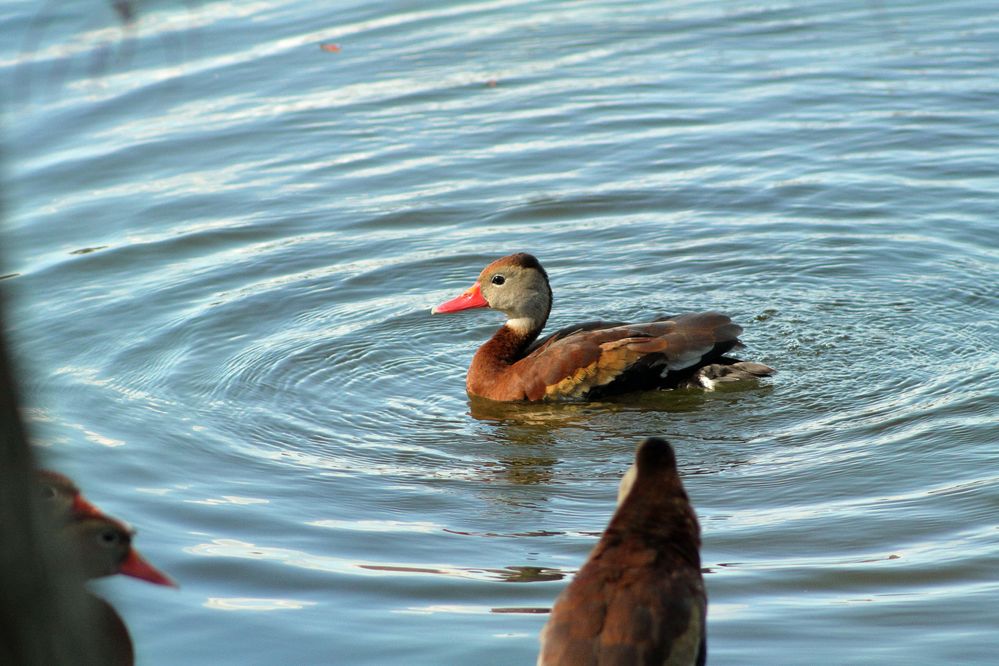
<point x="591" y="360"/>
<point x="96" y="545"/>
<point x="102" y="545"/>
<point x="639" y="599"/>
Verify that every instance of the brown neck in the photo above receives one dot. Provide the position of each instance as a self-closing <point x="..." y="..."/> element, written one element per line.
<point x="507" y="346"/>
<point x="489" y="374"/>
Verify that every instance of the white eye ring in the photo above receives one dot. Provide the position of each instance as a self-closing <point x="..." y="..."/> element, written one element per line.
<point x="498" y="280"/>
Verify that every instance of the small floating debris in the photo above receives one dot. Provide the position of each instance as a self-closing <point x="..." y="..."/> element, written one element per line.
<point x="330" y="47"/>
<point x="88" y="250"/>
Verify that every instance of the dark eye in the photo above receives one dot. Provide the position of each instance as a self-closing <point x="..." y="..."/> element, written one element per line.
<point x="109" y="537"/>
<point x="498" y="280"/>
<point x="47" y="492"/>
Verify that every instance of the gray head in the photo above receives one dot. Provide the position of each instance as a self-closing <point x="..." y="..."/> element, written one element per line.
<point x="517" y="285"/>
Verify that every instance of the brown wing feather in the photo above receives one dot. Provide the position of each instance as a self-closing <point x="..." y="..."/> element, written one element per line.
<point x="568" y="330"/>
<point x="571" y="365"/>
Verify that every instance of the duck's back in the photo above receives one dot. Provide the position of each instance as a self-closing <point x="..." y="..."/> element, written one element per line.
<point x="596" y="359"/>
<point x="629" y="610"/>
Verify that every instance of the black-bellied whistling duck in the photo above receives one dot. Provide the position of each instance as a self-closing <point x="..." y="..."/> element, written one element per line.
<point x="104" y="548"/>
<point x="639" y="598"/>
<point x="98" y="546"/>
<point x="102" y="544"/>
<point x="590" y="360"/>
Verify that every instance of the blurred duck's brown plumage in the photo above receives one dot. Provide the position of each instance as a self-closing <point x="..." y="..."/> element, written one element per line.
<point x="593" y="359"/>
<point x="639" y="599"/>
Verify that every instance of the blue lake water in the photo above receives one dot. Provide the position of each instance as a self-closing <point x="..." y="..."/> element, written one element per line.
<point x="222" y="243"/>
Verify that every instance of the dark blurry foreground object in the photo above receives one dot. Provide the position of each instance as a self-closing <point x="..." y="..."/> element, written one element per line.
<point x="591" y="360"/>
<point x="43" y="616"/>
<point x="639" y="599"/>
